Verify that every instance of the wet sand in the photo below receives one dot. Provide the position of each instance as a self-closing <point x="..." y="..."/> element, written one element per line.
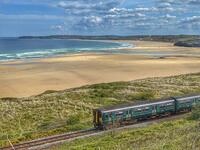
<point x="31" y="77"/>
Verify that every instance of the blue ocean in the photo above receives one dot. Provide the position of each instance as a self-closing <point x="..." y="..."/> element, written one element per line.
<point x="12" y="49"/>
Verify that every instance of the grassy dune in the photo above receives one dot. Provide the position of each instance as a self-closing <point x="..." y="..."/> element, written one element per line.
<point x="55" y="112"/>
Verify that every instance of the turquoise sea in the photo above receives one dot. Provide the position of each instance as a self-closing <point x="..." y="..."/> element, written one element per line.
<point x="12" y="49"/>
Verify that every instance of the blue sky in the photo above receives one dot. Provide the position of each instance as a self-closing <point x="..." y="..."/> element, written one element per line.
<point x="99" y="17"/>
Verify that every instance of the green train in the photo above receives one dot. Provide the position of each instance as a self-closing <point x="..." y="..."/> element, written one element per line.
<point x="123" y="114"/>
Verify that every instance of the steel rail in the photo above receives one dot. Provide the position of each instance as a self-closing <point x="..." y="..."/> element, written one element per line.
<point x="42" y="141"/>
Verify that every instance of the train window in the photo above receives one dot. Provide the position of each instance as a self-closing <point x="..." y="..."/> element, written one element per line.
<point x="110" y="115"/>
<point x="119" y="113"/>
<point x="146" y="108"/>
<point x="106" y="116"/>
<point x="162" y="106"/>
<point x="169" y="104"/>
<point x="138" y="110"/>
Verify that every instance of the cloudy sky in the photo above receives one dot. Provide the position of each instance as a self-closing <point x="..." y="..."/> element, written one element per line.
<point x="99" y="17"/>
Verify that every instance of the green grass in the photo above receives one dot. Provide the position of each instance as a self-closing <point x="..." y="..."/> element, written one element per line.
<point x="56" y="112"/>
<point x="175" y="135"/>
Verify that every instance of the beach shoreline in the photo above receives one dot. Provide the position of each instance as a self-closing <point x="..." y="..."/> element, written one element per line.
<point x="69" y="71"/>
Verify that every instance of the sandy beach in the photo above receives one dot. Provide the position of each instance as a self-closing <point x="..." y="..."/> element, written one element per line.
<point x="31" y="77"/>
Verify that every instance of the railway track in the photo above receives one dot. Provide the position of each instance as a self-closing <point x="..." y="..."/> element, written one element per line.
<point x="37" y="144"/>
<point x="28" y="145"/>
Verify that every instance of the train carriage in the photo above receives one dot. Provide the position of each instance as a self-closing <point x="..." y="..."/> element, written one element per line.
<point x="186" y="102"/>
<point x="123" y="114"/>
<point x="128" y="113"/>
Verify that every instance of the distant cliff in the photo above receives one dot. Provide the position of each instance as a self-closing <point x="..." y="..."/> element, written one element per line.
<point x="188" y="43"/>
<point x="160" y="38"/>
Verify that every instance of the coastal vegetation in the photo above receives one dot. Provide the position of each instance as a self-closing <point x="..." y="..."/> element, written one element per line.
<point x="188" y="43"/>
<point x="56" y="112"/>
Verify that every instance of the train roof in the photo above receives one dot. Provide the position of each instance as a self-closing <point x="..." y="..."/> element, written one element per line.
<point x="187" y="95"/>
<point x="133" y="104"/>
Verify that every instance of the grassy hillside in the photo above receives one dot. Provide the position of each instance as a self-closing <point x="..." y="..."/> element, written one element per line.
<point x="177" y="135"/>
<point x="55" y="112"/>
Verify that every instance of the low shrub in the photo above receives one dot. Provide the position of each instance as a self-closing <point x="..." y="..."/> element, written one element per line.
<point x="195" y="114"/>
<point x="145" y="96"/>
<point x="75" y="119"/>
<point x="100" y="86"/>
<point x="142" y="96"/>
<point x="48" y="92"/>
<point x="9" y="99"/>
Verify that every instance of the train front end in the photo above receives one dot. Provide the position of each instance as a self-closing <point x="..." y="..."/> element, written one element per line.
<point x="97" y="119"/>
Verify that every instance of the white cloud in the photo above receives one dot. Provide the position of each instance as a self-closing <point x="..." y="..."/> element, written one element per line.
<point x="179" y="2"/>
<point x="190" y="23"/>
<point x="93" y="19"/>
<point x="80" y="7"/>
<point x="167" y="16"/>
<point x="164" y="5"/>
<point x="62" y="4"/>
<point x="191" y="19"/>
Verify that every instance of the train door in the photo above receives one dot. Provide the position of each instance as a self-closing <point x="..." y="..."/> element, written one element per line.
<point x="110" y="116"/>
<point x="100" y="118"/>
<point x="119" y="116"/>
<point x="194" y="101"/>
<point x="95" y="118"/>
<point x="128" y="113"/>
<point x="154" y="111"/>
